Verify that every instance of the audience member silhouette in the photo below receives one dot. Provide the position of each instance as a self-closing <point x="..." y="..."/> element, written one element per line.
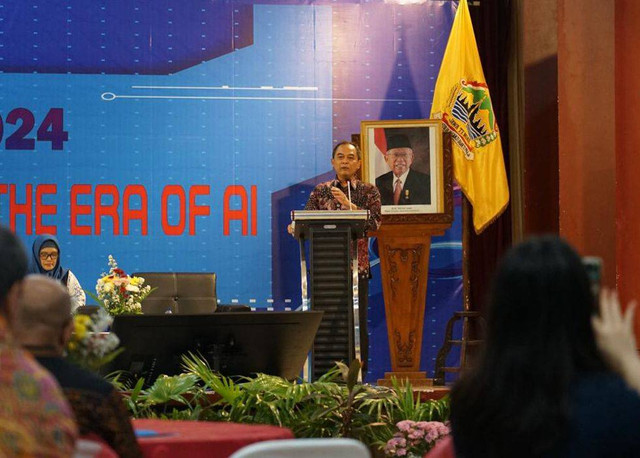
<point x="541" y="387"/>
<point x="43" y="326"/>
<point x="35" y="419"/>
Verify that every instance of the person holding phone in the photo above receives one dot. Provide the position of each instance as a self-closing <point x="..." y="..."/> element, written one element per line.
<point x="546" y="384"/>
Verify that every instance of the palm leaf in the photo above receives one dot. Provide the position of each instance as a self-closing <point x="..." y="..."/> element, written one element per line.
<point x="166" y="389"/>
<point x="199" y="367"/>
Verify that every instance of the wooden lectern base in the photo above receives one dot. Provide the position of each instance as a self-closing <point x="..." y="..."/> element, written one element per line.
<point x="415" y="378"/>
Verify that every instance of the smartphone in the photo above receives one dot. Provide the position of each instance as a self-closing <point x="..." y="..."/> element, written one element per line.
<point x="593" y="266"/>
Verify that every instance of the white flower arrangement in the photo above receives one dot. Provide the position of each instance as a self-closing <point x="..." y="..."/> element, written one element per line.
<point x="90" y="346"/>
<point x="119" y="292"/>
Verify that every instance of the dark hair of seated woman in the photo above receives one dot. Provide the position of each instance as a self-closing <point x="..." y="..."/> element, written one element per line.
<point x="515" y="401"/>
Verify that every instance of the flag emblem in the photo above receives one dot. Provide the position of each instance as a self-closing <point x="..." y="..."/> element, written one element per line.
<point x="469" y="117"/>
<point x="461" y="100"/>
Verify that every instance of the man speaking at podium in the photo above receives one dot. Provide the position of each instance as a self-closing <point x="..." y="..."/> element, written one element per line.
<point x="346" y="192"/>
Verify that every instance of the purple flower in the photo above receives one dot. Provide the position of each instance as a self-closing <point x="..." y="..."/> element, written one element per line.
<point x="395" y="443"/>
<point x="415" y="438"/>
<point x="405" y="425"/>
<point x="431" y="436"/>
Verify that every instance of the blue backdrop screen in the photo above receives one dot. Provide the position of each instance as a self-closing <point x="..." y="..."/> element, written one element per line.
<point x="179" y="137"/>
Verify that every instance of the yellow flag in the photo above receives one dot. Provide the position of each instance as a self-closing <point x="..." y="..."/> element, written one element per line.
<point x="461" y="99"/>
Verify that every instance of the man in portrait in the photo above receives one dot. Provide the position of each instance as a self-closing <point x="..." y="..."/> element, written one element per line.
<point x="402" y="185"/>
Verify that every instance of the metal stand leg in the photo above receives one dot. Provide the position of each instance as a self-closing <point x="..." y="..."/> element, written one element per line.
<point x="306" y="370"/>
<point x="303" y="277"/>
<point x="356" y="307"/>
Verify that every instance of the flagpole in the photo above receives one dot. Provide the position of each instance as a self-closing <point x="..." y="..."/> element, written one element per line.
<point x="466" y="259"/>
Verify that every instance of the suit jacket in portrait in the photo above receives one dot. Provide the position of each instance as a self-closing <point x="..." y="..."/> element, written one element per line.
<point x="416" y="189"/>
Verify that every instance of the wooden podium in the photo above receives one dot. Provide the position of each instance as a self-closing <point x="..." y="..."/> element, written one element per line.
<point x="404" y="243"/>
<point x="404" y="261"/>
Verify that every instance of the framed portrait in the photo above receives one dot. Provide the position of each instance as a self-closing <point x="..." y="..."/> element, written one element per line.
<point x="406" y="162"/>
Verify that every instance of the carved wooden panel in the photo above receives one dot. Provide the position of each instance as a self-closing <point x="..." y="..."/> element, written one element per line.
<point x="404" y="349"/>
<point x="403" y="255"/>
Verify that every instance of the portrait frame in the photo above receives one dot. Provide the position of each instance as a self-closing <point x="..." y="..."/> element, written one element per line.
<point x="427" y="193"/>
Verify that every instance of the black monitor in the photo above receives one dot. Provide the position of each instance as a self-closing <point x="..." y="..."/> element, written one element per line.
<point x="234" y="344"/>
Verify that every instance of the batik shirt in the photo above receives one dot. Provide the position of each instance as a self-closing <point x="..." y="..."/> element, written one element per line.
<point x="99" y="409"/>
<point x="35" y="419"/>
<point x="363" y="195"/>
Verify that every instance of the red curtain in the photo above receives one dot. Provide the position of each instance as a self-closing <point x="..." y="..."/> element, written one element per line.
<point x="491" y="22"/>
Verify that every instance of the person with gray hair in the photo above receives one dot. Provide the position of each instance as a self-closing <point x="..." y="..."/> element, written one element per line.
<point x="402" y="184"/>
<point x="35" y="419"/>
<point x="43" y="325"/>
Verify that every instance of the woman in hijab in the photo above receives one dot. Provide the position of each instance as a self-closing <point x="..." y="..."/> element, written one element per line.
<point x="45" y="260"/>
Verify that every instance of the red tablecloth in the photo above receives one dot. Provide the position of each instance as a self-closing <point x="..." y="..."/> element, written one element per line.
<point x="200" y="438"/>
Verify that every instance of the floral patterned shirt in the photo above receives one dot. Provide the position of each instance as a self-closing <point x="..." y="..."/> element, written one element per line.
<point x="365" y="196"/>
<point x="98" y="407"/>
<point x="35" y="419"/>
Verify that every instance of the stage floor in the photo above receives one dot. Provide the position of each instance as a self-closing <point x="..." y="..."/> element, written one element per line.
<point x="431" y="392"/>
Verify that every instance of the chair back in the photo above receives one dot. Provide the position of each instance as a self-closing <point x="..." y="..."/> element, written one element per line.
<point x="196" y="305"/>
<point x="308" y="448"/>
<point x="159" y="306"/>
<point x="183" y="293"/>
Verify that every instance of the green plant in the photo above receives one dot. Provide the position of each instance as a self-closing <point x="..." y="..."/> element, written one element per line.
<point x="175" y="397"/>
<point x="402" y="405"/>
<point x="333" y="406"/>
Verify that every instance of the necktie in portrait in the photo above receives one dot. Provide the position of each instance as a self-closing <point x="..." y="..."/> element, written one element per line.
<point x="397" y="191"/>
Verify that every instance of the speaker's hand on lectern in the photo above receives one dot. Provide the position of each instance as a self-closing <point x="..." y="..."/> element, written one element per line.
<point x="615" y="339"/>
<point x="290" y="229"/>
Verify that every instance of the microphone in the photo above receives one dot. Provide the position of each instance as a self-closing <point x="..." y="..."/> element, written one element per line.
<point x="336" y="184"/>
<point x="333" y="184"/>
